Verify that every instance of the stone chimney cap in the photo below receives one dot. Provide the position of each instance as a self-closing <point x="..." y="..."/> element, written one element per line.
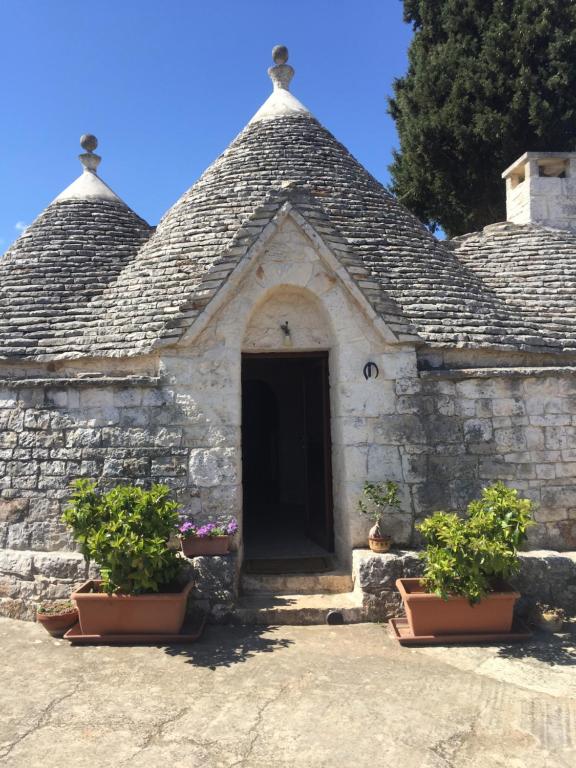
<point x="514" y="169"/>
<point x="541" y="189"/>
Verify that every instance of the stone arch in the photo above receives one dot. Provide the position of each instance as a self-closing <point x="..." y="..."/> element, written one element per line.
<point x="308" y="320"/>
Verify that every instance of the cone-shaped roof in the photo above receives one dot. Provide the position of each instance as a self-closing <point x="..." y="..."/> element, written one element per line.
<point x="284" y="152"/>
<point x="70" y="253"/>
<point x="283" y="156"/>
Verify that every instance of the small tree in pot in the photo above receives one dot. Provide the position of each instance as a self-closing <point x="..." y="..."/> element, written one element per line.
<point x="125" y="531"/>
<point x="467" y="563"/>
<point x="376" y="499"/>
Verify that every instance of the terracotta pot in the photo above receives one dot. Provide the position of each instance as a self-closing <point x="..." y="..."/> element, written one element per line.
<point x="57" y="623"/>
<point x="156" y="613"/>
<point x="380" y="543"/>
<point x="211" y="545"/>
<point x="428" y="614"/>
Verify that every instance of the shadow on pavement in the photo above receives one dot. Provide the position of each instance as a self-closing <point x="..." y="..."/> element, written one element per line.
<point x="225" y="645"/>
<point x="556" y="650"/>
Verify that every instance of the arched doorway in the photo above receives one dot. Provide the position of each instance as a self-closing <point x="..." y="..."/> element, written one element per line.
<point x="286" y="462"/>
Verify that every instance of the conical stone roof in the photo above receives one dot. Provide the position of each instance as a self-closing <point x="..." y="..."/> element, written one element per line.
<point x="75" y="248"/>
<point x="283" y="154"/>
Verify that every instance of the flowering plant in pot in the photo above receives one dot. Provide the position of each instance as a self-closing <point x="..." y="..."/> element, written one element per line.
<point x="206" y="539"/>
<point x="467" y="563"/>
<point x="125" y="532"/>
<point x="56" y="616"/>
<point x="376" y="499"/>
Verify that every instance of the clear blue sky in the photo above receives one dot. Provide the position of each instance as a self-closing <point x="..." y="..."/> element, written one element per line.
<point x="166" y="85"/>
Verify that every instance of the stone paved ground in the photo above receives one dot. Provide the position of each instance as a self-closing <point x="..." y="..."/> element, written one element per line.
<point x="285" y="697"/>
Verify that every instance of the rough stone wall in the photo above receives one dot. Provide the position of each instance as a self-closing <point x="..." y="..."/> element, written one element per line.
<point x="459" y="431"/>
<point x="54" y="432"/>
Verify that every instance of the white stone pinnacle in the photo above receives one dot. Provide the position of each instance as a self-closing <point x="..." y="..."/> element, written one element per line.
<point x="280" y="103"/>
<point x="89" y="186"/>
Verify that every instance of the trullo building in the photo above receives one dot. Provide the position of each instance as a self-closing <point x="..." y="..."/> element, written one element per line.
<point x="288" y="331"/>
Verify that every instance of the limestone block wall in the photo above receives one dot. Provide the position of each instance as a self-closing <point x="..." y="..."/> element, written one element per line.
<point x="53" y="431"/>
<point x="458" y="431"/>
<point x="545" y="576"/>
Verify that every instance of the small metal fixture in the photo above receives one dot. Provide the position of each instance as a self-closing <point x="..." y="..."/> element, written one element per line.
<point x="368" y="371"/>
<point x="284" y="327"/>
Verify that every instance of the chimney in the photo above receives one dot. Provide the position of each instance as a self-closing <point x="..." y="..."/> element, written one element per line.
<point x="541" y="189"/>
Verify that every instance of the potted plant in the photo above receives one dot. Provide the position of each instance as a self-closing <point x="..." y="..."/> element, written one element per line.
<point x="125" y="531"/>
<point x="376" y="499"/>
<point x="467" y="564"/>
<point x="207" y="539"/>
<point x="56" y="616"/>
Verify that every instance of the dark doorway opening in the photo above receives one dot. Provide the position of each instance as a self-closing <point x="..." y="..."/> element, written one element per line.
<point x="286" y="467"/>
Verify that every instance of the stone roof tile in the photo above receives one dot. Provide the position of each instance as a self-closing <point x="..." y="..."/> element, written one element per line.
<point x="532" y="269"/>
<point x="48" y="277"/>
<point x="88" y="279"/>
<point x="217" y="219"/>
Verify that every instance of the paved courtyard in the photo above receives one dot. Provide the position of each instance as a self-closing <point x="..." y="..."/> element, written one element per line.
<point x="286" y="697"/>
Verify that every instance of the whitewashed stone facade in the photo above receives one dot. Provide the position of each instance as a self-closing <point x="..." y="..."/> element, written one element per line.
<point x="121" y="349"/>
<point x="291" y="276"/>
<point x="442" y="435"/>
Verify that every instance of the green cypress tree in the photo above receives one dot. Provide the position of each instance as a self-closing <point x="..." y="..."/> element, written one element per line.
<point x="487" y="80"/>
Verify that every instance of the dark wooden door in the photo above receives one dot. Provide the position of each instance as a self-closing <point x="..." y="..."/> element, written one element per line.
<point x="317" y="448"/>
<point x="286" y="450"/>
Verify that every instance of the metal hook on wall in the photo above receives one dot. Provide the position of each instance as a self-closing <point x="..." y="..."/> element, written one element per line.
<point x="368" y="368"/>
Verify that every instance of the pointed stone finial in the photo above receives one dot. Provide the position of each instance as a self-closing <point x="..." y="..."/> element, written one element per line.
<point x="89" y="160"/>
<point x="281" y="74"/>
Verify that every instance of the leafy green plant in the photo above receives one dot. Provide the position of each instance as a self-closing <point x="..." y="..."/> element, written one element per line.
<point x="375" y="500"/>
<point x="474" y="556"/>
<point x="125" y="531"/>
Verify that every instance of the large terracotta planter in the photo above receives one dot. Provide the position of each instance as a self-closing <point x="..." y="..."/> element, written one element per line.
<point x="156" y="613"/>
<point x="211" y="545"/>
<point x="57" y="623"/>
<point x="428" y="614"/>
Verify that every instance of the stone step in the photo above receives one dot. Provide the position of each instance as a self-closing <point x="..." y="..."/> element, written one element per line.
<point x="298" y="609"/>
<point x="296" y="583"/>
